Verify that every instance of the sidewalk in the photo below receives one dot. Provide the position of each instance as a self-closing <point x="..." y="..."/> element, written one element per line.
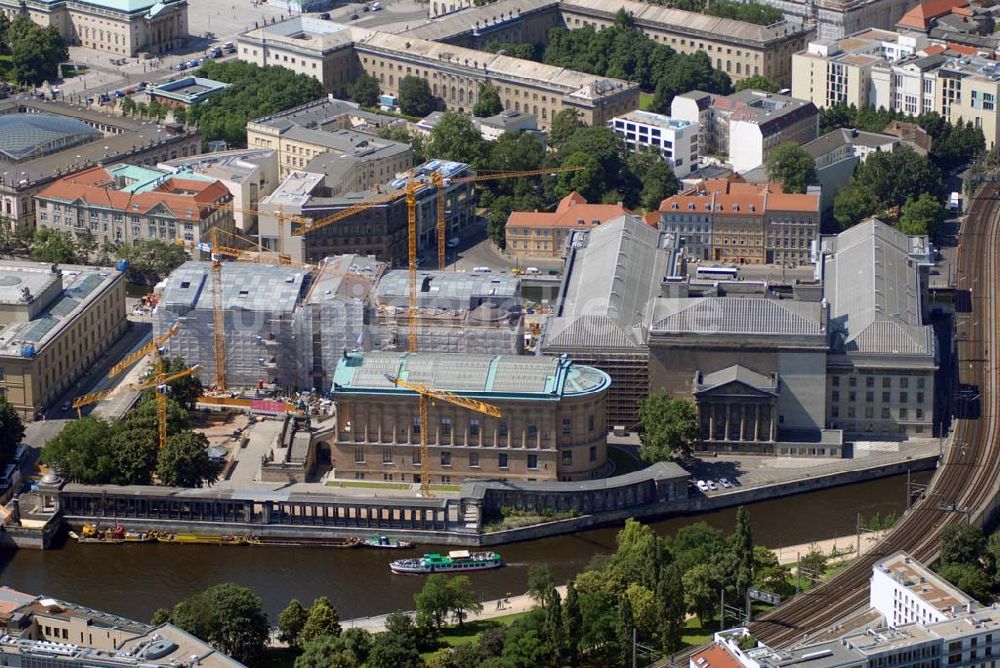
<point x="491" y="609"/>
<point x="845" y="545"/>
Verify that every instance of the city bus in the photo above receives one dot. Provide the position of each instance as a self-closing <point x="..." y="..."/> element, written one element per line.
<point x="717" y="273"/>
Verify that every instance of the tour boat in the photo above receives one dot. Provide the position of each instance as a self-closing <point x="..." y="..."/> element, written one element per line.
<point x="387" y="543"/>
<point x="457" y="561"/>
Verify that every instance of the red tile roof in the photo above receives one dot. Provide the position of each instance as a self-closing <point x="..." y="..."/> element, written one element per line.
<point x="573" y="211"/>
<point x="185" y="199"/>
<point x="716" y="656"/>
<point x="920" y="17"/>
<point x="723" y="196"/>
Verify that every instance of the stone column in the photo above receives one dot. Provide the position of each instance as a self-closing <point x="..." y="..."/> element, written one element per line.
<point x="711" y="421"/>
<point x="725" y="423"/>
<point x="774" y="423"/>
<point x="743" y="419"/>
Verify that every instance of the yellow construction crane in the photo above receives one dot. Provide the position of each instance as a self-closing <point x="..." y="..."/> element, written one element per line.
<point x="157" y="383"/>
<point x="218" y="318"/>
<point x="410" y="194"/>
<point x="426" y="396"/>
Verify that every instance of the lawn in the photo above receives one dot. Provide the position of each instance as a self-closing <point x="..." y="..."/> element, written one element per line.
<point x="453" y="636"/>
<point x="446" y="488"/>
<point x="368" y="485"/>
<point x="645" y="100"/>
<point x="696" y="635"/>
<point x="624" y="461"/>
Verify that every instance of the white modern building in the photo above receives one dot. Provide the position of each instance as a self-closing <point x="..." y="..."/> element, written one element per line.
<point x="905" y="591"/>
<point x="674" y="139"/>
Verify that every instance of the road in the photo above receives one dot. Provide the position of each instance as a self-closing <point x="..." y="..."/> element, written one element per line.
<point x="215" y="22"/>
<point x="968" y="476"/>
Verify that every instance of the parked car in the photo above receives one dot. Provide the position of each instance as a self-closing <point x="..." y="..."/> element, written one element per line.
<point x="725" y="483"/>
<point x="215" y="53"/>
<point x="453" y="242"/>
<point x="119" y="94"/>
<point x="702" y="485"/>
<point x="711" y="486"/>
<point x="194" y="63"/>
<point x="229" y="47"/>
<point x="182" y="66"/>
<point x="484" y="270"/>
<point x="354" y="17"/>
<point x="66" y="406"/>
<point x="533" y="271"/>
<point x="325" y="16"/>
<point x="376" y="6"/>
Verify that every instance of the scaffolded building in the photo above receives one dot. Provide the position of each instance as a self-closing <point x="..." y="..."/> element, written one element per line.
<point x="333" y="318"/>
<point x="259" y="303"/>
<point x="457" y="312"/>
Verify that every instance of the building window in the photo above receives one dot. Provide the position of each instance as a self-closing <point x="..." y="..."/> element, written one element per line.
<point x="567" y="428"/>
<point x="359" y="455"/>
<point x="886" y="381"/>
<point x="869" y="381"/>
<point x="593" y="453"/>
<point x="386" y="455"/>
<point x="904" y="397"/>
<point x="502" y="428"/>
<point x="567" y="457"/>
<point x="445" y="459"/>
<point x="532" y="461"/>
<point x="502" y="460"/>
<point x="474" y="460"/>
<point x="835" y="381"/>
<point x="473" y="427"/>
<point x="590" y="423"/>
<point x="904" y="414"/>
<point x="904" y="383"/>
<point x="416" y="426"/>
<point x="853" y="381"/>
<point x="886" y="397"/>
<point x="532" y="430"/>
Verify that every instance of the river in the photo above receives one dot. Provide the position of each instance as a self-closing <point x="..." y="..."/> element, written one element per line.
<point x="134" y="580"/>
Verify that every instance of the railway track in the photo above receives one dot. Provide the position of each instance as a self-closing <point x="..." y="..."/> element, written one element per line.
<point x="969" y="472"/>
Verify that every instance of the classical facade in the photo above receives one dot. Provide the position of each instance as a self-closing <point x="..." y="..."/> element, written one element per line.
<point x="124" y="28"/>
<point x="543" y="234"/>
<point x="737" y="404"/>
<point x="55" y="322"/>
<point x="552" y="425"/>
<point x="128" y="203"/>
<point x="336" y="54"/>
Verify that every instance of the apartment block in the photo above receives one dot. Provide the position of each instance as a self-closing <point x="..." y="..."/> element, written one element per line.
<point x="675" y="140"/>
<point x="746" y="126"/>
<point x="128" y="203"/>
<point x="543" y="234"/>
<point x="124" y="28"/>
<point x="55" y="321"/>
<point x="743" y="223"/>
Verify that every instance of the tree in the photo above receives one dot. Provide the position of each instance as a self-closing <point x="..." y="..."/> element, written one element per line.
<point x="514" y="152"/>
<point x="655" y="180"/>
<point x="741" y="544"/>
<point x="150" y="260"/>
<point x="572" y="621"/>
<point x="962" y="544"/>
<point x="11" y="430"/>
<point x="890" y="178"/>
<point x="327" y="652"/>
<point x="969" y="578"/>
<point x="540" y="581"/>
<point x="455" y="138"/>
<point x="134" y="453"/>
<point x="228" y="616"/>
<point x="185" y="391"/>
<point x="322" y="620"/>
<point x="80" y="452"/>
<point x="399" y="132"/>
<point x="701" y="591"/>
<point x="588" y="181"/>
<point x="463" y="598"/>
<point x="488" y="102"/>
<point x="670" y="596"/>
<point x="392" y="651"/>
<point x="564" y="125"/>
<point x="623" y="629"/>
<point x="757" y="82"/>
<point x="35" y="51"/>
<point x="54" y="246"/>
<point x="696" y="543"/>
<point x="434" y="599"/>
<point x="290" y="623"/>
<point x="415" y="98"/>
<point x="668" y="427"/>
<point x="851" y="205"/>
<point x="921" y="215"/>
<point x="185" y="463"/>
<point x="750" y="12"/>
<point x="812" y="564"/>
<point x="642" y="601"/>
<point x="523" y="51"/>
<point x="793" y="166"/>
<point x="364" y="90"/>
<point x="525" y="645"/>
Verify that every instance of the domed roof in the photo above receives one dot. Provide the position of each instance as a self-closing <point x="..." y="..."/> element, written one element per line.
<point x="31" y="135"/>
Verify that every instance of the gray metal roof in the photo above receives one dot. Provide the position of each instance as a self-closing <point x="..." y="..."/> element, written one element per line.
<point x="33" y="135"/>
<point x="873" y="286"/>
<point x="740" y="374"/>
<point x="836" y="138"/>
<point x="612" y="278"/>
<point x="245" y="287"/>
<point x="737" y="315"/>
<point x="447" y="289"/>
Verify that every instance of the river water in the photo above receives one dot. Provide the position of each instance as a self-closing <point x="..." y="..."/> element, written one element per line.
<point x="134" y="580"/>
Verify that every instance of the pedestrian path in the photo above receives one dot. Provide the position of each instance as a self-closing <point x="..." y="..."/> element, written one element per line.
<point x="491" y="609"/>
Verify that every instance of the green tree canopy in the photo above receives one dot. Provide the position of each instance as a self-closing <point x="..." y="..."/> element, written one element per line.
<point x="750" y="12"/>
<point x="290" y="623"/>
<point x="400" y="132"/>
<point x="185" y="463"/>
<point x="364" y="90"/>
<point x="668" y="426"/>
<point x="488" y="102"/>
<point x="564" y="125"/>
<point x="970" y="579"/>
<point x="80" y="452"/>
<point x="322" y="620"/>
<point x="851" y="205"/>
<point x="790" y="164"/>
<point x="756" y="82"/>
<point x="150" y="260"/>
<point x="228" y="616"/>
<point x="35" y="51"/>
<point x="921" y="215"/>
<point x="962" y="544"/>
<point x="255" y="91"/>
<point x="11" y="430"/>
<point x="701" y="591"/>
<point x="415" y="98"/>
<point x="455" y="138"/>
<point x="55" y="246"/>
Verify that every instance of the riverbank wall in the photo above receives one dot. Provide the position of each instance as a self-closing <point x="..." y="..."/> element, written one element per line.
<point x="659" y="491"/>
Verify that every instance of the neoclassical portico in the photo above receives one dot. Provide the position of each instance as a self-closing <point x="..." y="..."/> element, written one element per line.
<point x="737" y="406"/>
